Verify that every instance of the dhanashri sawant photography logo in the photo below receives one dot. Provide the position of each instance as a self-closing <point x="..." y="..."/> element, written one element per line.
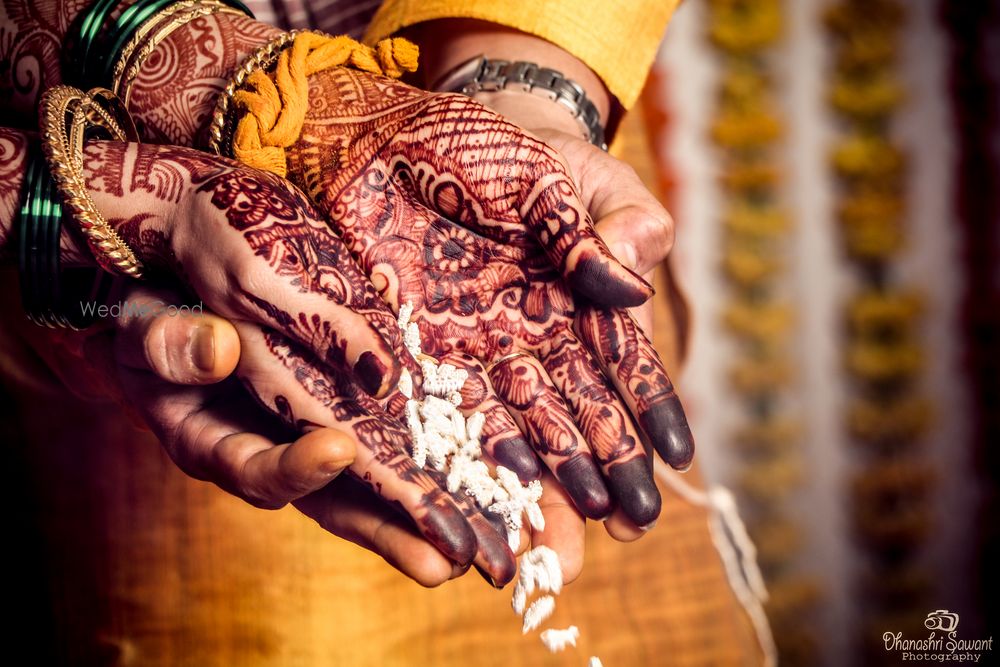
<point x="942" y="644"/>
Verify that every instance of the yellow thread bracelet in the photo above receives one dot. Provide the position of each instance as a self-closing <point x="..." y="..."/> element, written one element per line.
<point x="274" y="106"/>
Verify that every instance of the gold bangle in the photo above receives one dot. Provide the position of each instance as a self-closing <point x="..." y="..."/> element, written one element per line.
<point x="142" y="45"/>
<point x="264" y="57"/>
<point x="67" y="115"/>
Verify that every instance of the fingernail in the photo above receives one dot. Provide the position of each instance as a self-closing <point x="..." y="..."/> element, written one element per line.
<point x="596" y="278"/>
<point x="625" y="253"/>
<point x="203" y="347"/>
<point x="487" y="578"/>
<point x="583" y="482"/>
<point x="649" y="526"/>
<point x="495" y="561"/>
<point x="516" y="454"/>
<point x="334" y="467"/>
<point x="649" y="286"/>
<point x="667" y="427"/>
<point x="634" y="489"/>
<point x="371" y="372"/>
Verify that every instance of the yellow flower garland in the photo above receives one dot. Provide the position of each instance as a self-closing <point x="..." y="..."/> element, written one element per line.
<point x="887" y="414"/>
<point x="747" y="128"/>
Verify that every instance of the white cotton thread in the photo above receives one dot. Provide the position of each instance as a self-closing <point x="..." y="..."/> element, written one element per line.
<point x="474" y="426"/>
<point x="537" y="612"/>
<point x="557" y="640"/>
<point x="546" y="561"/>
<point x="522" y="499"/>
<point x="735" y="548"/>
<point x="533" y="576"/>
<point x="519" y="600"/>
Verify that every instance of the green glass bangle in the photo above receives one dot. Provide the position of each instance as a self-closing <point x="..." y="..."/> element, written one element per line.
<point x="126" y="26"/>
<point x="48" y="276"/>
<point x="26" y="237"/>
<point x="39" y="220"/>
<point x="82" y="40"/>
<point x="128" y="23"/>
<point x="50" y="296"/>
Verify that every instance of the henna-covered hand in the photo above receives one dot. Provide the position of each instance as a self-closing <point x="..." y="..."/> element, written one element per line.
<point x="318" y="343"/>
<point x="479" y="227"/>
<point x="173" y="373"/>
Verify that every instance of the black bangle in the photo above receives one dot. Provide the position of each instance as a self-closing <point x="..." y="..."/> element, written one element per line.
<point x="47" y="298"/>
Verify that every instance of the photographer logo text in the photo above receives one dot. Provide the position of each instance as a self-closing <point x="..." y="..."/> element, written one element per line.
<point x="942" y="643"/>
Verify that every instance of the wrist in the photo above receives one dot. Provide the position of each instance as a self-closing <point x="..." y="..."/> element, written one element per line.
<point x="447" y="43"/>
<point x="15" y="147"/>
<point x="531" y="112"/>
<point x="174" y="94"/>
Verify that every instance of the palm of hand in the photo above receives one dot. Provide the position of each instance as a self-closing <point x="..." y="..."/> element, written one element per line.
<point x="474" y="223"/>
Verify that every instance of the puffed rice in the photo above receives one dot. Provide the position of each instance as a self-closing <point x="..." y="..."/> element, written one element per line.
<point x="537" y="612"/>
<point x="556" y="640"/>
<point x="450" y="442"/>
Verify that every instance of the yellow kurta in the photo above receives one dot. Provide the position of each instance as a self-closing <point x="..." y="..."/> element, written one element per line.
<point x="616" y="39"/>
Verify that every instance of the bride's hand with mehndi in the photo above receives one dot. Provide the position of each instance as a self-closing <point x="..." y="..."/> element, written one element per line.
<point x="251" y="248"/>
<point x="478" y="225"/>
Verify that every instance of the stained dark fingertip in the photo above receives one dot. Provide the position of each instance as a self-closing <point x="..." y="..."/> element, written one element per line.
<point x="487" y="578"/>
<point x="496" y="521"/>
<point x="582" y="480"/>
<point x="375" y="378"/>
<point x="458" y="570"/>
<point x="517" y="454"/>
<point x="501" y="566"/>
<point x="495" y="561"/>
<point x="593" y="278"/>
<point x="667" y="427"/>
<point x="449" y="531"/>
<point x="634" y="489"/>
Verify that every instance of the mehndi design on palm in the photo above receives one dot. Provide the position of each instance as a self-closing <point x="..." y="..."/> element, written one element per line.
<point x="476" y="224"/>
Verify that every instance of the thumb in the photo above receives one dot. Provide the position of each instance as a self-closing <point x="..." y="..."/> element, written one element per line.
<point x="182" y="345"/>
<point x="627" y="216"/>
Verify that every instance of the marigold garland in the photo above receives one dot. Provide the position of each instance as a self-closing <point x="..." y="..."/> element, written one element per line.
<point x="884" y="358"/>
<point x="747" y="128"/>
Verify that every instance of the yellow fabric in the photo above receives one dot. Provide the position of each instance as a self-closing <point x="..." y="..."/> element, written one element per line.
<point x="618" y="40"/>
<point x="275" y="110"/>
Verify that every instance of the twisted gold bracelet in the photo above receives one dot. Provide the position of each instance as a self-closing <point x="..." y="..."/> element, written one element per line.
<point x="264" y="57"/>
<point x="142" y="44"/>
<point x="67" y="115"/>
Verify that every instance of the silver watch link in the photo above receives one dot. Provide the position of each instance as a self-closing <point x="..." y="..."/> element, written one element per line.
<point x="483" y="75"/>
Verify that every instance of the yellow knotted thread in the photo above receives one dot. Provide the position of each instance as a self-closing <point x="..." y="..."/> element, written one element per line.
<point x="275" y="109"/>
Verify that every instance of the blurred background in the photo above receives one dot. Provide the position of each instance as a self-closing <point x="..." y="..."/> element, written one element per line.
<point x="833" y="168"/>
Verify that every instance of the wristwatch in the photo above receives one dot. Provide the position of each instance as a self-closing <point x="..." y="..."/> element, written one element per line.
<point x="483" y="75"/>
